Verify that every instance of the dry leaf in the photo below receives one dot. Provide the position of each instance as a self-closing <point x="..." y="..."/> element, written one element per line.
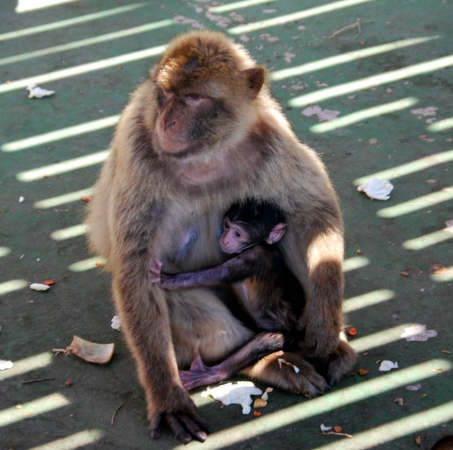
<point x="49" y="282"/>
<point x="85" y="199"/>
<point x="399" y="401"/>
<point x="256" y="413"/>
<point x="98" y="264"/>
<point x="363" y="372"/>
<point x="337" y="429"/>
<point x="405" y="273"/>
<point x="352" y="331"/>
<point x="418" y="440"/>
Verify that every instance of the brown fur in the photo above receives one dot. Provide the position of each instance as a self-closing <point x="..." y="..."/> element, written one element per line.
<point x="169" y="204"/>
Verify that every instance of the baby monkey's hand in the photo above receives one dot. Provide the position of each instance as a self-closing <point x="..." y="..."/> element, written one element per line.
<point x="156" y="270"/>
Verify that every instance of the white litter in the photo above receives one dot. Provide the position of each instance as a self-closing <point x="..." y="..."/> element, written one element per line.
<point x="324" y="428"/>
<point x="5" y="364"/>
<point x="39" y="287"/>
<point x="116" y="323"/>
<point x="387" y="365"/>
<point x="429" y="111"/>
<point x="21" y="199"/>
<point x="376" y="188"/>
<point x="418" y="333"/>
<point x="281" y="361"/>
<point x="234" y="394"/>
<point x="324" y="115"/>
<point x="414" y="387"/>
<point x="37" y="92"/>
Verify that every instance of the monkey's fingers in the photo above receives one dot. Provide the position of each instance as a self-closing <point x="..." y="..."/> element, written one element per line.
<point x="185" y="427"/>
<point x="155" y="427"/>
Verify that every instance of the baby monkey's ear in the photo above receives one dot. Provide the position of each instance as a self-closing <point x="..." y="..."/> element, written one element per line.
<point x="276" y="233"/>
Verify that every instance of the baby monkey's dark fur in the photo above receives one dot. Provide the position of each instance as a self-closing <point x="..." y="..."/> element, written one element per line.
<point x="272" y="293"/>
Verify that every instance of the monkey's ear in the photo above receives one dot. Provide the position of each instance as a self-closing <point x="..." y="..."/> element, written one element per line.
<point x="276" y="233"/>
<point x="255" y="80"/>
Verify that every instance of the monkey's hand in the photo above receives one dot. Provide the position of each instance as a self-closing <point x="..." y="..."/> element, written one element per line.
<point x="181" y="417"/>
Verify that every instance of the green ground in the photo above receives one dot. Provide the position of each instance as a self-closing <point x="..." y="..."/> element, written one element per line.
<point x="93" y="54"/>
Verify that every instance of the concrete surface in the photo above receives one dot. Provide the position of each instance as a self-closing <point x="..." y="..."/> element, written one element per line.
<point x="93" y="54"/>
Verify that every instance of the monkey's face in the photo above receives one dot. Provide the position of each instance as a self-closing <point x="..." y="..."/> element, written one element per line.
<point x="234" y="238"/>
<point x="186" y="118"/>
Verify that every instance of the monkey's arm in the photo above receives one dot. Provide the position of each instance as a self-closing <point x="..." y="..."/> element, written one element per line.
<point x="236" y="269"/>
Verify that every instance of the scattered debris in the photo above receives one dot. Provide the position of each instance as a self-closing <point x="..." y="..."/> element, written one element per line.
<point x="37" y="380"/>
<point x="39" y="287"/>
<point x="220" y="21"/>
<point x="89" y="351"/>
<point x="376" y="189"/>
<point x="447" y="352"/>
<point x="185" y="21"/>
<point x="281" y="362"/>
<point x="359" y="252"/>
<point x="259" y="403"/>
<point x="352" y="331"/>
<point x="347" y="28"/>
<point x="267" y="37"/>
<point x="256" y="413"/>
<point x="428" y="111"/>
<point x="269" y="11"/>
<point x="363" y="372"/>
<point x="430" y="121"/>
<point x="116" y="322"/>
<point x="4" y="365"/>
<point x="324" y="115"/>
<point x="414" y="387"/>
<point x="418" y="440"/>
<point x="114" y="413"/>
<point x="301" y="27"/>
<point x="21" y="199"/>
<point x="425" y="138"/>
<point x="399" y="401"/>
<point x="244" y="38"/>
<point x="265" y="396"/>
<point x="68" y="383"/>
<point x="449" y="224"/>
<point x="372" y="141"/>
<point x="37" y="92"/>
<point x="238" y="393"/>
<point x="351" y="97"/>
<point x="387" y="366"/>
<point x="405" y="273"/>
<point x="288" y="57"/>
<point x="321" y="84"/>
<point x="85" y="199"/>
<point x="337" y="431"/>
<point x="99" y="264"/>
<point x="49" y="282"/>
<point x="419" y="333"/>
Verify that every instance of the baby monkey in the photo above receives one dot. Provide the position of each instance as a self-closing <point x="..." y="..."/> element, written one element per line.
<point x="266" y="287"/>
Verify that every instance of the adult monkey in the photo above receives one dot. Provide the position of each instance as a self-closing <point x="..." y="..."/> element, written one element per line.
<point x="199" y="134"/>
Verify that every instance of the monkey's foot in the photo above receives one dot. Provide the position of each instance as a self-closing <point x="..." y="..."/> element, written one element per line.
<point x="285" y="376"/>
<point x="200" y="375"/>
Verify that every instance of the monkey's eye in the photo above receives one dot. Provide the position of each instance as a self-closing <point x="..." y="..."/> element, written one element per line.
<point x="226" y="226"/>
<point x="237" y="234"/>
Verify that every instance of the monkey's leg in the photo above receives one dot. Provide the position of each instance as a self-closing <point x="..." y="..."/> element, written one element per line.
<point x="261" y="345"/>
<point x="307" y="381"/>
<point x="340" y="362"/>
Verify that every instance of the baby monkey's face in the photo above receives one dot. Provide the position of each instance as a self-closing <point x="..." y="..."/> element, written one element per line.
<point x="234" y="237"/>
